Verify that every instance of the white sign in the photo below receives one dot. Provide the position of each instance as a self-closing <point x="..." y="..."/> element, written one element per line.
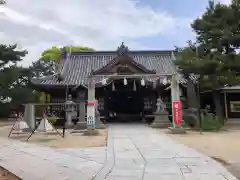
<point x="91" y="116"/>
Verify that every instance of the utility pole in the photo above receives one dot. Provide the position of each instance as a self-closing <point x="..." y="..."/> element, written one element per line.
<point x="199" y="95"/>
<point x="67" y="67"/>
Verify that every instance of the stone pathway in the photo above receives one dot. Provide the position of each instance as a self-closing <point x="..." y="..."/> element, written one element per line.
<point x="29" y="161"/>
<point x="134" y="152"/>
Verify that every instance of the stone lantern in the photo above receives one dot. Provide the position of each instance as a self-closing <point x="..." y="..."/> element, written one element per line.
<point x="70" y="109"/>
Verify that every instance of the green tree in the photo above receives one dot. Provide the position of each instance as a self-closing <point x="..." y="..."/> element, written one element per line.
<point x="14" y="80"/>
<point x="50" y="58"/>
<point x="213" y="57"/>
<point x="43" y="68"/>
<point x="54" y="53"/>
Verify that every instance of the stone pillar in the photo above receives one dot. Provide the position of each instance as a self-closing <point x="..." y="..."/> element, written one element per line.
<point x="91" y="89"/>
<point x="91" y="121"/>
<point x="175" y="96"/>
<point x="82" y="111"/>
<point x="91" y="98"/>
<point x="81" y="124"/>
<point x="29" y="115"/>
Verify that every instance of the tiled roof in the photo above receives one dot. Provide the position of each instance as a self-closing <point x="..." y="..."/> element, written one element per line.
<point x="82" y="63"/>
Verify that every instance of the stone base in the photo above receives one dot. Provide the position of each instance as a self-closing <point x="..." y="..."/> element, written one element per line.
<point x="177" y="130"/>
<point x="78" y="131"/>
<point x="99" y="125"/>
<point x="91" y="132"/>
<point x="80" y="126"/>
<point x="69" y="126"/>
<point x="161" y="121"/>
<point x="27" y="130"/>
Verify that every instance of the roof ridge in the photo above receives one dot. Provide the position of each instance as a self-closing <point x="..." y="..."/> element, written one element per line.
<point x="115" y="52"/>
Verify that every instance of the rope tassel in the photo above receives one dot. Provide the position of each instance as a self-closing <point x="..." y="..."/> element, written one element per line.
<point x="113" y="87"/>
<point x="134" y="86"/>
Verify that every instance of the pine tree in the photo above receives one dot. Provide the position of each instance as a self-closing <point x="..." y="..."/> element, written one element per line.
<point x="213" y="56"/>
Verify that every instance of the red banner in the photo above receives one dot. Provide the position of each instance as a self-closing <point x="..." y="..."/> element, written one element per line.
<point x="91" y="103"/>
<point x="176" y="110"/>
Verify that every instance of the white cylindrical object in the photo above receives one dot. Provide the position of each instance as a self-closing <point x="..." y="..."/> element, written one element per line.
<point x="125" y="81"/>
<point x="29" y="115"/>
<point x="164" y="81"/>
<point x="142" y="82"/>
<point x="104" y="81"/>
<point x="134" y="86"/>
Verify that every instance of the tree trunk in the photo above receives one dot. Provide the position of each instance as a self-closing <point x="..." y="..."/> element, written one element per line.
<point x="217" y="99"/>
<point x="218" y="106"/>
<point x="192" y="95"/>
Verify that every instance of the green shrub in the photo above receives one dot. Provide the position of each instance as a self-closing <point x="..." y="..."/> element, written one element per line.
<point x="52" y="119"/>
<point x="210" y="123"/>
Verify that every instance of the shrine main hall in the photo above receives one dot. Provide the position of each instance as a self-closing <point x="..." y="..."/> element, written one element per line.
<point x="127" y="82"/>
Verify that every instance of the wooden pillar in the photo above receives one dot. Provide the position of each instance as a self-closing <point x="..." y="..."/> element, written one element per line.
<point x="225" y="105"/>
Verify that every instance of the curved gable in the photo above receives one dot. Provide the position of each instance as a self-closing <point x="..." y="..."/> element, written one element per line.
<point x="123" y="63"/>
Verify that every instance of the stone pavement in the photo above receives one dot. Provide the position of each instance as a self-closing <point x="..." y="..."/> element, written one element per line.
<point x="134" y="152"/>
<point x="34" y="162"/>
<point x="137" y="152"/>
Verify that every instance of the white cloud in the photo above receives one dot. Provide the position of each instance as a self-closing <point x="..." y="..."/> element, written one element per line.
<point x="103" y="24"/>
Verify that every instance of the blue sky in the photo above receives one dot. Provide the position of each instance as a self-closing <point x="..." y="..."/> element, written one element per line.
<point x="185" y="8"/>
<point x="189" y="9"/>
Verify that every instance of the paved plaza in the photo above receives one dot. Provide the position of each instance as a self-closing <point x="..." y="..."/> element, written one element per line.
<point x="134" y="152"/>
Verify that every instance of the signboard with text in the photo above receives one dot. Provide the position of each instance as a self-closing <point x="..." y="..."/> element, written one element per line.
<point x="176" y="110"/>
<point x="91" y="114"/>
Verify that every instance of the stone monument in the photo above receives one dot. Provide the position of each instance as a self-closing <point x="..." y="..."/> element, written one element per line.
<point x="81" y="125"/>
<point x="161" y="119"/>
<point x="29" y="115"/>
<point x="98" y="122"/>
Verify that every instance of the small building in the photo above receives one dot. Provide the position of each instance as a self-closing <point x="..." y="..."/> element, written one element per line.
<point x="229" y="99"/>
<point x="135" y="96"/>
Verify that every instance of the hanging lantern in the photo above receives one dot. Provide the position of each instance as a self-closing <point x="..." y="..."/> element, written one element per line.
<point x="134" y="86"/>
<point x="104" y="81"/>
<point x="125" y="81"/>
<point x="164" y="81"/>
<point x="113" y="87"/>
<point x="142" y="82"/>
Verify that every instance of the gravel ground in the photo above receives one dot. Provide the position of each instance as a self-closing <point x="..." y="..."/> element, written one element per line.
<point x="6" y="175"/>
<point x="222" y="146"/>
